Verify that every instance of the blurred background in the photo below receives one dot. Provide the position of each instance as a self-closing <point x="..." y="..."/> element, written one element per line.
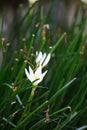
<point x="62" y="12"/>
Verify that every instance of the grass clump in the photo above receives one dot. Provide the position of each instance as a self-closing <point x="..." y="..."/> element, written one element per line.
<point x="58" y="101"/>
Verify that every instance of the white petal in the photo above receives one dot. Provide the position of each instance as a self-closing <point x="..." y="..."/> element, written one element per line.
<point x="30" y="71"/>
<point x="27" y="74"/>
<point x="37" y="81"/>
<point x="41" y="78"/>
<point x="47" y="60"/>
<point x="32" y="1"/>
<point x="36" y="53"/>
<point x="39" y="57"/>
<point x="43" y="58"/>
<point x="31" y="74"/>
<point x="38" y="72"/>
<point x="44" y="73"/>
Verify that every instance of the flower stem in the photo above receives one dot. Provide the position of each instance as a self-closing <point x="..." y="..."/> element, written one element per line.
<point x="27" y="108"/>
<point x="32" y="94"/>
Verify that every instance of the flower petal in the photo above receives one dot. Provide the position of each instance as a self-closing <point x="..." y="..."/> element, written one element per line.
<point x="36" y="53"/>
<point x="41" y="78"/>
<point x="44" y="73"/>
<point x="39" y="57"/>
<point x="46" y="60"/>
<point x="38" y="72"/>
<point x="27" y="74"/>
<point x="31" y="74"/>
<point x="43" y="58"/>
<point x="37" y="82"/>
<point x="32" y="1"/>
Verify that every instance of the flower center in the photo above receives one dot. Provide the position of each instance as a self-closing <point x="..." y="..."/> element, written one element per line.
<point x="36" y="77"/>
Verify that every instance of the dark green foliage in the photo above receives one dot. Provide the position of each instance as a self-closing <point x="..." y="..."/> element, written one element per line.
<point x="60" y="101"/>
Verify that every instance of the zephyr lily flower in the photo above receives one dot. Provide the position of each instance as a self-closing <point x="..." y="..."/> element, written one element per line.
<point x="36" y="76"/>
<point x="42" y="59"/>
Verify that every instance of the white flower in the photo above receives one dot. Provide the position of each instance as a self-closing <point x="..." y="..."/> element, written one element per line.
<point x="42" y="59"/>
<point x="84" y="1"/>
<point x="36" y="76"/>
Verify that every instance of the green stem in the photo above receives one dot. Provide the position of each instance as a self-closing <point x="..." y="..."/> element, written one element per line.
<point x="28" y="106"/>
<point x="30" y="100"/>
<point x="32" y="94"/>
